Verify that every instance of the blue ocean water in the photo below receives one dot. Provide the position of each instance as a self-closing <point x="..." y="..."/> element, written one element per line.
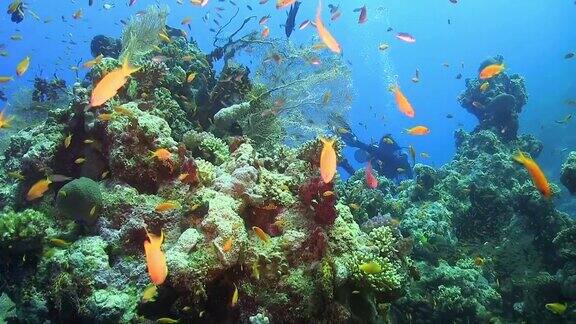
<point x="533" y="37"/>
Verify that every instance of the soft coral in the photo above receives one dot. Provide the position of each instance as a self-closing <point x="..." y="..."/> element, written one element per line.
<point x="321" y="198"/>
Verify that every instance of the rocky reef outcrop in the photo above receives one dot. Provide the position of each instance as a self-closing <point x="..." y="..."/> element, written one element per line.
<point x="568" y="173"/>
<point x="170" y="154"/>
<point x="496" y="102"/>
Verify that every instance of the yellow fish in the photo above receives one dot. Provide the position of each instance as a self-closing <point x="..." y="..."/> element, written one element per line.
<point x="80" y="160"/>
<point x="370" y="268"/>
<point x="59" y="243"/>
<point x="104" y="117"/>
<point x="16" y="175"/>
<point x="261" y="234"/>
<point x="191" y="77"/>
<point x="68" y="140"/>
<point x="557" y="308"/>
<point x="235" y="296"/>
<point x="149" y="294"/>
<point x="165" y="206"/>
<point x="165" y="38"/>
<point x="14" y="6"/>
<point x="22" y="67"/>
<point x="167" y="320"/>
<point x="121" y="110"/>
<point x="5" y="79"/>
<point x="5" y="120"/>
<point x="484" y="86"/>
<point x="93" y="62"/>
<point x="16" y="37"/>
<point x="111" y="83"/>
<point x="38" y="189"/>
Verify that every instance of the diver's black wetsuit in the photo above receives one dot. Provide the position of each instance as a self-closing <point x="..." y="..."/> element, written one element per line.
<point x="387" y="157"/>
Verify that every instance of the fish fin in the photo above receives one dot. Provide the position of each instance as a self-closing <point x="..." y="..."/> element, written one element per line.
<point x="361" y="156"/>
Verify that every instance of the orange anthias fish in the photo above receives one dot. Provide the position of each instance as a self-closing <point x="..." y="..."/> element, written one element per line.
<point x="324" y="34"/>
<point x="265" y="32"/>
<point x="418" y="130"/>
<point x="327" y="160"/>
<point x="261" y="234"/>
<point x="38" y="189"/>
<point x="165" y="206"/>
<point x="371" y="180"/>
<point x="491" y="71"/>
<point x="538" y="177"/>
<point x="284" y="3"/>
<point x="111" y="83"/>
<point x="162" y="154"/>
<point x="155" y="258"/>
<point x="403" y="104"/>
<point x="227" y="245"/>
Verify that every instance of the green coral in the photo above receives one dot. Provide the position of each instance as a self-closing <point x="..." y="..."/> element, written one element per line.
<point x="274" y="186"/>
<point x="207" y="146"/>
<point x="352" y="247"/>
<point x="367" y="202"/>
<point x="168" y="109"/>
<point x="80" y="199"/>
<point x="112" y="305"/>
<point x="206" y="172"/>
<point x="24" y="231"/>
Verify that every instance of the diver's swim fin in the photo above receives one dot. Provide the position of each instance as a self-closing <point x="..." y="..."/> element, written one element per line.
<point x="362" y="156"/>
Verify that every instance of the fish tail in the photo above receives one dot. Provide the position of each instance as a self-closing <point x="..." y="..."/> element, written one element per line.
<point x="128" y="68"/>
<point x="520" y="157"/>
<point x="155" y="240"/>
<point x="327" y="141"/>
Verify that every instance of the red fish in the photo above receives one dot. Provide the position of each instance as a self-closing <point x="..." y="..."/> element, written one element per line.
<point x="264" y="20"/>
<point x="363" y="14"/>
<point x="371" y="180"/>
<point x="406" y="37"/>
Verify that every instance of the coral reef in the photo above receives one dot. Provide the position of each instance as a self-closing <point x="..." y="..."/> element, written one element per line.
<point x="568" y="173"/>
<point x="251" y="232"/>
<point x="496" y="102"/>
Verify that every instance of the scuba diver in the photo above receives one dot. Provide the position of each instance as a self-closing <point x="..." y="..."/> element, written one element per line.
<point x="387" y="157"/>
